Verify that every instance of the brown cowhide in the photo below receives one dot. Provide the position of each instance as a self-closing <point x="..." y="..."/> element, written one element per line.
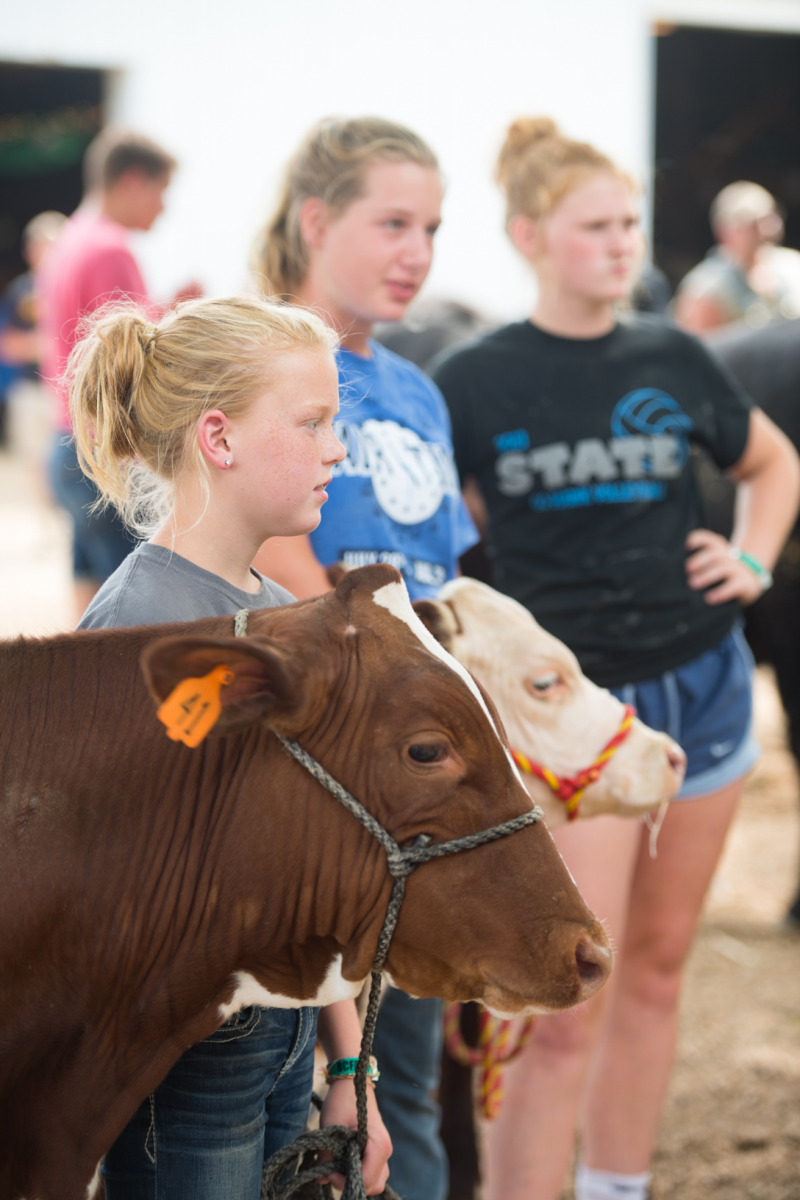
<point x="147" y="890"/>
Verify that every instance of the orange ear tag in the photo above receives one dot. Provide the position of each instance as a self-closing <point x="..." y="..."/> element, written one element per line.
<point x="191" y="709"/>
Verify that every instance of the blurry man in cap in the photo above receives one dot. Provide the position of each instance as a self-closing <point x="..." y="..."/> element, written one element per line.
<point x="744" y="217"/>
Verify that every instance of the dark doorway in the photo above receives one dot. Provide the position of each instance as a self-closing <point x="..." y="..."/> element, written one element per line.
<point x="48" y="115"/>
<point x="727" y="108"/>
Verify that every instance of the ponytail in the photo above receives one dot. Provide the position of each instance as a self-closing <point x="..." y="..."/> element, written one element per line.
<point x="137" y="391"/>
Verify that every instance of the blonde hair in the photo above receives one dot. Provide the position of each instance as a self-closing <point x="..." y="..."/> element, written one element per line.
<point x="538" y="165"/>
<point x="137" y="391"/>
<point x="331" y="165"/>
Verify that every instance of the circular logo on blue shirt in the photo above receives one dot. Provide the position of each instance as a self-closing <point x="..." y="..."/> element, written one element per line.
<point x="410" y="476"/>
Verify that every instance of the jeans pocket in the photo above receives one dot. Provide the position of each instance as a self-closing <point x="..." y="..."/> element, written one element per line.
<point x="305" y="1023"/>
<point x="240" y="1025"/>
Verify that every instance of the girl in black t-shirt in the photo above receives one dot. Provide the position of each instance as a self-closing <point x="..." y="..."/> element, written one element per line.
<point x="577" y="428"/>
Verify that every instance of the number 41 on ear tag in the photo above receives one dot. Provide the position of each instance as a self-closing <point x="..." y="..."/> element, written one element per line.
<point x="192" y="708"/>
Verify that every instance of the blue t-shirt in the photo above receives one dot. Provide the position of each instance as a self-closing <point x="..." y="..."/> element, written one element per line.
<point x="396" y="497"/>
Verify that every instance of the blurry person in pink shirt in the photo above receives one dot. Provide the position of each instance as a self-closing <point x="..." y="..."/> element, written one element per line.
<point x="91" y="264"/>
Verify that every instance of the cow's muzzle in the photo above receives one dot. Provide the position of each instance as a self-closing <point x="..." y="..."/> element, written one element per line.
<point x="593" y="960"/>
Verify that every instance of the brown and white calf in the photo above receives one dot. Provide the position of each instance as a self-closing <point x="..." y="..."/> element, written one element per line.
<point x="552" y="713"/>
<point x="148" y="890"/>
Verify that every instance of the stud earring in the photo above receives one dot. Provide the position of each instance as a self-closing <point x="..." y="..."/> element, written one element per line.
<point x="227" y="462"/>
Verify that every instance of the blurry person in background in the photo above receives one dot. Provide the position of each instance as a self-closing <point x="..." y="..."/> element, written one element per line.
<point x="90" y="264"/>
<point x="744" y="218"/>
<point x="652" y="292"/>
<point x="19" y="336"/>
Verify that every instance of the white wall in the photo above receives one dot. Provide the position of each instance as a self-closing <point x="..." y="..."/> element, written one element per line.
<point x="229" y="86"/>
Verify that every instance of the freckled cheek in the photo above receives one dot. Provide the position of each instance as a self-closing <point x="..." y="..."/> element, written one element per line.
<point x="290" y="466"/>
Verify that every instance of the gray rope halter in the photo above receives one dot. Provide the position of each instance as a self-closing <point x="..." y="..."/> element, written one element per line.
<point x="348" y="1145"/>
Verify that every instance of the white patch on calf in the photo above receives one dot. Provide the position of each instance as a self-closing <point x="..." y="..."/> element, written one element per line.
<point x="394" y="597"/>
<point x="94" y="1184"/>
<point x="249" y="991"/>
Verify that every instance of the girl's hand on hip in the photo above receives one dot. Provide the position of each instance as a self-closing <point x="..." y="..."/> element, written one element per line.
<point x="339" y="1108"/>
<point x="709" y="565"/>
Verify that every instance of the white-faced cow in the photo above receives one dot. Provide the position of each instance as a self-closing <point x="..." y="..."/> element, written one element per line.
<point x="148" y="890"/>
<point x="554" y="716"/>
<point x="557" y="718"/>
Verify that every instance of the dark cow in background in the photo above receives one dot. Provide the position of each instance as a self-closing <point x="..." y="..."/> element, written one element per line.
<point x="149" y="890"/>
<point x="766" y="362"/>
<point x="432" y="326"/>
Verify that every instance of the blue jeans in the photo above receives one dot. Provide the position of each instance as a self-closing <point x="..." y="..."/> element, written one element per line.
<point x="408" y="1047"/>
<point x="100" y="540"/>
<point x="227" y="1105"/>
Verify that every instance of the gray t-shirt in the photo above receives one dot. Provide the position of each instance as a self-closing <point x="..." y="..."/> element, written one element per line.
<point x="154" y="586"/>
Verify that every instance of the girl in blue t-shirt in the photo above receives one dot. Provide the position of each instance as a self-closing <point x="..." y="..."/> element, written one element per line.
<point x="352" y="238"/>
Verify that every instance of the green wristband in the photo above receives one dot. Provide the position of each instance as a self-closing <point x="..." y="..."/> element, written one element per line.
<point x="345" y="1068"/>
<point x="761" y="573"/>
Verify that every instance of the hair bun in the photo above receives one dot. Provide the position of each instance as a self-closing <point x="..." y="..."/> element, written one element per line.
<point x="520" y="136"/>
<point x="526" y="130"/>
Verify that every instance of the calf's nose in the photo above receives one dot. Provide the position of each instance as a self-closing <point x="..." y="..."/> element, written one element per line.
<point x="594" y="960"/>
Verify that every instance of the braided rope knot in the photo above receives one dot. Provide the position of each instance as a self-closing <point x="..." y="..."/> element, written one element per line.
<point x="295" y="1171"/>
<point x="570" y="788"/>
<point x="401" y="862"/>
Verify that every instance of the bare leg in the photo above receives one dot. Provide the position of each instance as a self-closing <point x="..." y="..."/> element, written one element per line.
<point x="631" y="1070"/>
<point x="528" y="1146"/>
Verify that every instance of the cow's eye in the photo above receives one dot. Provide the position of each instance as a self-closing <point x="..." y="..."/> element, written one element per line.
<point x="426" y="752"/>
<point x="545" y="682"/>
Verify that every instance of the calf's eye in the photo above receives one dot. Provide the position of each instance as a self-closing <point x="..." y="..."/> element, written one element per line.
<point x="545" y="682"/>
<point x="426" y="752"/>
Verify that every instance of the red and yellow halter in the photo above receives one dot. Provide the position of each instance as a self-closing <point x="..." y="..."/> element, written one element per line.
<point x="570" y="788"/>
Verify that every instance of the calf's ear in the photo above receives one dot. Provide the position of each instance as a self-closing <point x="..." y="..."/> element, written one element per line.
<point x="439" y="617"/>
<point x="265" y="679"/>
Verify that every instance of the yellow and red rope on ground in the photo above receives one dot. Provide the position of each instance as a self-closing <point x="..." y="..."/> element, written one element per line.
<point x="497" y="1047"/>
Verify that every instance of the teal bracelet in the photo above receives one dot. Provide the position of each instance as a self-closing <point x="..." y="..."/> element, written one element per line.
<point x="345" y="1068"/>
<point x="761" y="573"/>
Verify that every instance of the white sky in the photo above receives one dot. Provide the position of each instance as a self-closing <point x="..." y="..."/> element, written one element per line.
<point x="230" y="86"/>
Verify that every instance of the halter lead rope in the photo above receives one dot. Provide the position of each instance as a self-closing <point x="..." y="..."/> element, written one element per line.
<point x="570" y="788"/>
<point x="348" y="1145"/>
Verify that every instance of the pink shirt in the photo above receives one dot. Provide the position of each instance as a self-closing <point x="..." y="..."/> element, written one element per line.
<point x="88" y="265"/>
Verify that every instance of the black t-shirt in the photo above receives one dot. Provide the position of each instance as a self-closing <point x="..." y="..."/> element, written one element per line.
<point x="581" y="451"/>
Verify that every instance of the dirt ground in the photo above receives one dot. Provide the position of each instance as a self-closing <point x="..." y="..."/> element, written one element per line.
<point x="731" y="1129"/>
<point x="732" y="1123"/>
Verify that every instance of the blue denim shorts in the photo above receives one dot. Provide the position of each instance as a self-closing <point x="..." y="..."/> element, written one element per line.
<point x="706" y="705"/>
